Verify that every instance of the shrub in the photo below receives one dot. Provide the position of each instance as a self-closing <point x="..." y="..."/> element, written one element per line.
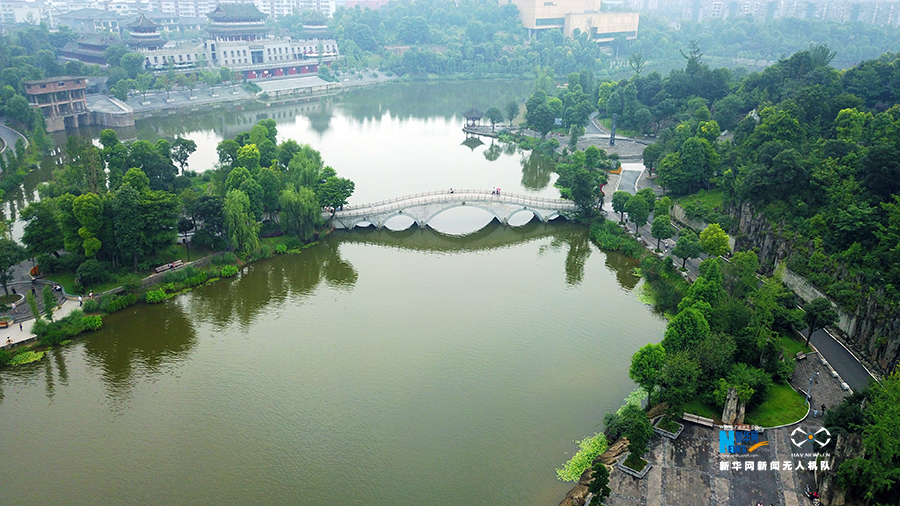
<point x="281" y="249"/>
<point x="608" y="236"/>
<point x="590" y="448"/>
<point x="92" y="322"/>
<point x="5" y="357"/>
<point x="197" y="279"/>
<point x="113" y="303"/>
<point x="39" y="327"/>
<point x="91" y="306"/>
<point x="155" y="296"/>
<point x="225" y="258"/>
<point x="229" y="271"/>
<point x="92" y="271"/>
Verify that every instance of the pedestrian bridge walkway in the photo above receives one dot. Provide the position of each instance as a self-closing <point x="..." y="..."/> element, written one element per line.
<point x="422" y="207"/>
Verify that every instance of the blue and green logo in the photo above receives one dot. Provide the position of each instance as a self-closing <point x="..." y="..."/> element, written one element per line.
<point x="739" y="441"/>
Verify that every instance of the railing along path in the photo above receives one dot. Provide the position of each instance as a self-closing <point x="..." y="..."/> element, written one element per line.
<point x="461" y="195"/>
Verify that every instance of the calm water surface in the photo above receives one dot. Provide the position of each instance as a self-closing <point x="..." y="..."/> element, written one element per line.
<point x="375" y="368"/>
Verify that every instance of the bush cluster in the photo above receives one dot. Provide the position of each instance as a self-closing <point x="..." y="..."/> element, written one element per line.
<point x="229" y="271"/>
<point x="611" y="237"/>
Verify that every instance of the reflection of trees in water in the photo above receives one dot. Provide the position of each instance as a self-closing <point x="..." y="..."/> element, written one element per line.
<point x="578" y="241"/>
<point x="493" y="152"/>
<point x="272" y="282"/>
<point x="320" y="117"/>
<point x="536" y="170"/>
<point x="146" y="338"/>
<point x="426" y="100"/>
<point x="624" y="267"/>
<point x="228" y="121"/>
<point x="496" y="236"/>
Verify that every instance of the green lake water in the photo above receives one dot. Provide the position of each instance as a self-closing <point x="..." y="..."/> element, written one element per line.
<point x="384" y="368"/>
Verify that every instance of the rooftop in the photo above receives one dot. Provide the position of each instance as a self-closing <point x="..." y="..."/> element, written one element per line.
<point x="55" y="79"/>
<point x="225" y="12"/>
<point x="141" y="22"/>
<point x="89" y="14"/>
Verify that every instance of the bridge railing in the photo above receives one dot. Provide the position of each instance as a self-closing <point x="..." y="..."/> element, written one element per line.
<point x="446" y="196"/>
<point x="399" y="203"/>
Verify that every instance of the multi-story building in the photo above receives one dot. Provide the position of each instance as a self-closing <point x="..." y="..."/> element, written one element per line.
<point x="91" y="21"/>
<point x="237" y="38"/>
<point x="60" y="100"/>
<point x="569" y="15"/>
<point x="18" y="11"/>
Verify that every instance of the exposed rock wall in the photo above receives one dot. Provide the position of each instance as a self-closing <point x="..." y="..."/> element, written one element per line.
<point x="873" y="331"/>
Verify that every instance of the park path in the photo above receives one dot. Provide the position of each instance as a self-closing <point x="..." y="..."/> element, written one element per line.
<point x="16" y="336"/>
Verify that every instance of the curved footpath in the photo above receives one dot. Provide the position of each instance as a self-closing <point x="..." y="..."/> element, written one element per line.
<point x="9" y="135"/>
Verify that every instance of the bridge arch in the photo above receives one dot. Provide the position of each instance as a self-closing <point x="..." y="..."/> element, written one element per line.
<point x="464" y="204"/>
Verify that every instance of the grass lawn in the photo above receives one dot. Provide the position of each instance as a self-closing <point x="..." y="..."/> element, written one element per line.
<point x="666" y="424"/>
<point x="707" y="199"/>
<point x="607" y="122"/>
<point x="783" y="405"/>
<point x="67" y="280"/>
<point x="179" y="252"/>
<point x="792" y="346"/>
<point x="697" y="407"/>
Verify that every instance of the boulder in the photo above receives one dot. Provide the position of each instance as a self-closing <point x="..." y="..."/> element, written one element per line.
<point x="575" y="497"/>
<point x="729" y="413"/>
<point x="616" y="449"/>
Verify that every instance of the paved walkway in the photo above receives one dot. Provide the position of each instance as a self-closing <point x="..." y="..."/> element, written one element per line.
<point x="9" y="136"/>
<point x="25" y="334"/>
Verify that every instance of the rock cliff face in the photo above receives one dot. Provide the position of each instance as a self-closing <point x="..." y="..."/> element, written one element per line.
<point x="874" y="330"/>
<point x="848" y="446"/>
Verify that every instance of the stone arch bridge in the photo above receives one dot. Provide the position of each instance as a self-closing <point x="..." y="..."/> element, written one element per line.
<point x="422" y="207"/>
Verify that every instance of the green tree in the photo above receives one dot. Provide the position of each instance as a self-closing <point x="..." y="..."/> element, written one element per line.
<point x="714" y="240"/>
<point x="819" y="314"/>
<point x="10" y="254"/>
<point x="494" y="116"/>
<point x="663" y="206"/>
<point x="88" y="209"/>
<point x="684" y="330"/>
<point x="599" y="485"/>
<point x="300" y="212"/>
<point x="662" y="228"/>
<point x="638" y="211"/>
<point x="646" y="366"/>
<point x="248" y="156"/>
<point x="678" y="380"/>
<point x="41" y="233"/>
<point x="160" y="211"/>
<point x="619" y="201"/>
<point x="129" y="224"/>
<point x="512" y="111"/>
<point x="243" y="230"/>
<point x="133" y="63"/>
<point x="687" y="246"/>
<point x="49" y="302"/>
<point x="335" y="191"/>
<point x="538" y="114"/>
<point x="181" y="151"/>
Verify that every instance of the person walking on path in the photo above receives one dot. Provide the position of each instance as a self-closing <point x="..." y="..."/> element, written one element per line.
<point x="15" y="309"/>
<point x="20" y="326"/>
<point x="80" y="301"/>
<point x="823" y="410"/>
